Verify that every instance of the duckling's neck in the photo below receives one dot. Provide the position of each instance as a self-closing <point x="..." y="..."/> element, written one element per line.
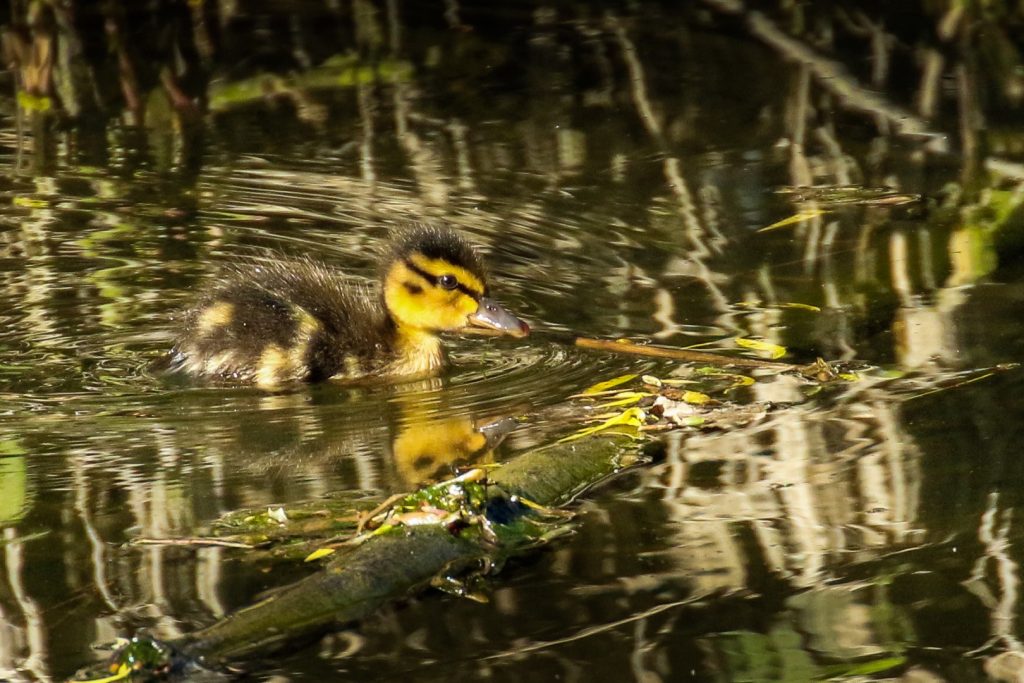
<point x="418" y="352"/>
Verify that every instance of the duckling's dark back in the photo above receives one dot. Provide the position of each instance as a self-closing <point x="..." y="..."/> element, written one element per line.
<point x="283" y="321"/>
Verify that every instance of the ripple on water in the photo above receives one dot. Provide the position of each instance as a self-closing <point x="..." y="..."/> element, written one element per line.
<point x="92" y="290"/>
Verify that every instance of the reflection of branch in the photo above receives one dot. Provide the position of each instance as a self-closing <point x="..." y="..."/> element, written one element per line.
<point x="834" y="78"/>
<point x="127" y="73"/>
<point x="997" y="551"/>
<point x="799" y="165"/>
<point x="931" y="80"/>
<point x="636" y="78"/>
<point x="831" y="75"/>
<point x="366" y="156"/>
<point x="595" y="630"/>
<point x="424" y="162"/>
<point x="971" y="120"/>
<point x="95" y="541"/>
<point x="35" y="627"/>
<point x="674" y="177"/>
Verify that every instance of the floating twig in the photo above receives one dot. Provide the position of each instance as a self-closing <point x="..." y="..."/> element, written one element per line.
<point x="194" y="542"/>
<point x="686" y="355"/>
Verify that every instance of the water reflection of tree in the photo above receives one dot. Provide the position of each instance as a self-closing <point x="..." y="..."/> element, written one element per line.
<point x="80" y="67"/>
<point x="607" y="69"/>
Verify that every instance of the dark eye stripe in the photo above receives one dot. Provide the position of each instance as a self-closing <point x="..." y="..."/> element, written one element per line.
<point x="435" y="280"/>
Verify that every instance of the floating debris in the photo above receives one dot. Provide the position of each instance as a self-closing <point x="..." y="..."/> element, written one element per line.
<point x="773" y="351"/>
<point x="319" y="553"/>
<point x="627" y="422"/>
<point x="601" y="387"/>
<point x="794" y="219"/>
<point x="849" y="195"/>
<point x="821" y="198"/>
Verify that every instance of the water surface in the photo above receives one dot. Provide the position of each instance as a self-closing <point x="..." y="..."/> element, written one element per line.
<point x="616" y="170"/>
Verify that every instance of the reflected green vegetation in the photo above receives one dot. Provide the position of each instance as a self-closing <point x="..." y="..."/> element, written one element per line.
<point x="841" y="181"/>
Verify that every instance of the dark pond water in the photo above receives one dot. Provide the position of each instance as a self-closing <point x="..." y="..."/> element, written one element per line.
<point x="616" y="167"/>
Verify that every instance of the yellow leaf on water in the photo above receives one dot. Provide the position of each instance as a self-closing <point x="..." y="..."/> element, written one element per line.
<point x="318" y="553"/>
<point x="695" y="398"/>
<point x="625" y="398"/>
<point x="627" y="422"/>
<point x="773" y="351"/>
<point x="607" y="384"/>
<point x="804" y="215"/>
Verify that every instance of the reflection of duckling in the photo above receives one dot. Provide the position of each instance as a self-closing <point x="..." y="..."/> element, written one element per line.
<point x="426" y="450"/>
<point x="271" y="323"/>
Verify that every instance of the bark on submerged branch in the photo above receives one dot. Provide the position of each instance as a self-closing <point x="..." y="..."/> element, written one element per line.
<point x="388" y="567"/>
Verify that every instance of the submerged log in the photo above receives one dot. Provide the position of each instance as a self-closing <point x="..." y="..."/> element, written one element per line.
<point x="500" y="516"/>
<point x="385" y="568"/>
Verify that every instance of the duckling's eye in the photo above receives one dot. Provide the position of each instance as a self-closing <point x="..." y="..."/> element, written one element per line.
<point x="448" y="281"/>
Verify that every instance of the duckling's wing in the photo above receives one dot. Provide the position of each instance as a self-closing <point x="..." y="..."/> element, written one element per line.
<point x="280" y="321"/>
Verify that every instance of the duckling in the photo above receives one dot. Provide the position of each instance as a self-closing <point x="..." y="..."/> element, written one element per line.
<point x="298" y="320"/>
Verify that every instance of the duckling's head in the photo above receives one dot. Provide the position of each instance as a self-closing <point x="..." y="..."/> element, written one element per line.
<point x="435" y="282"/>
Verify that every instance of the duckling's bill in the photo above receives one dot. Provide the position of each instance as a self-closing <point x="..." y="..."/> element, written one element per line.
<point x="492" y="317"/>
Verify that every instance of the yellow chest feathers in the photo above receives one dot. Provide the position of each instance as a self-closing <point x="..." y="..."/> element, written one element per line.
<point x="418" y="353"/>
